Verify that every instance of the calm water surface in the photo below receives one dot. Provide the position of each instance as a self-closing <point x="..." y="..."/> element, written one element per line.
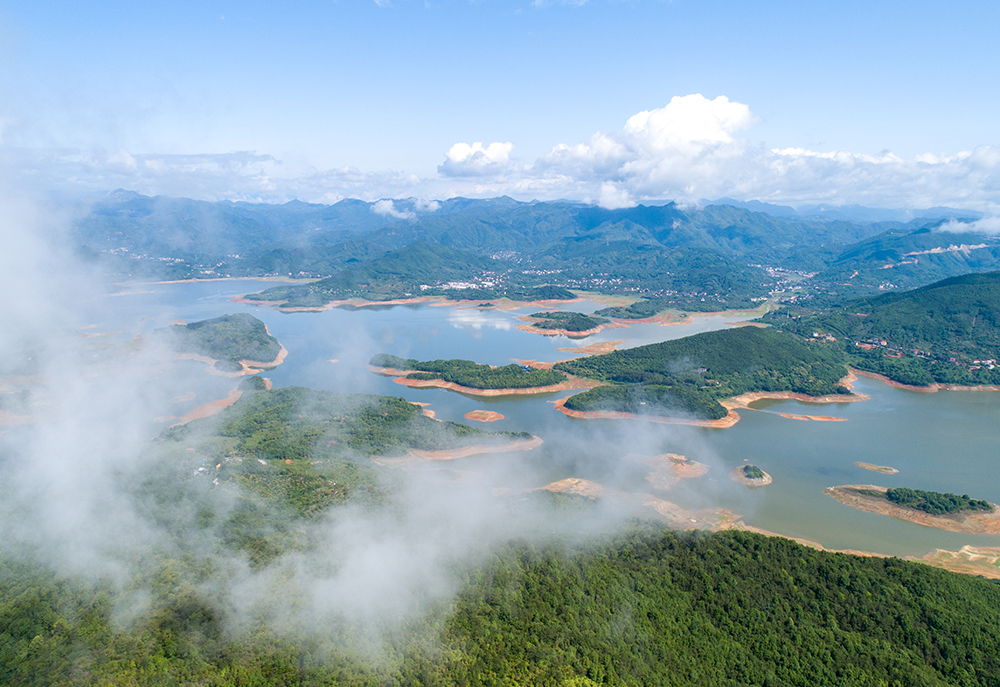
<point x="945" y="441"/>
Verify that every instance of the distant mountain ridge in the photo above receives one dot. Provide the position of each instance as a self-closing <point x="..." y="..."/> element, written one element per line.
<point x="712" y="257"/>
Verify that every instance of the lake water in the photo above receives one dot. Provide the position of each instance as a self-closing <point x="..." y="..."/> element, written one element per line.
<point x="946" y="441"/>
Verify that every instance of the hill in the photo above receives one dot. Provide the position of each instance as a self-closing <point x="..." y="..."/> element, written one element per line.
<point x="644" y="607"/>
<point x="690" y="375"/>
<point x="229" y="339"/>
<point x="947" y="332"/>
<point x="420" y="269"/>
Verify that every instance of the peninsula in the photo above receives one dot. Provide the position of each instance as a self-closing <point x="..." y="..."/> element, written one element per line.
<point x="928" y="508"/>
<point x="234" y="345"/>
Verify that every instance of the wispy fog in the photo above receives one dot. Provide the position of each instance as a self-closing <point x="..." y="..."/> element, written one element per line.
<point x="89" y="492"/>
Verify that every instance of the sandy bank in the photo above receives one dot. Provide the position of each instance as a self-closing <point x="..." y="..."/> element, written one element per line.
<point x="969" y="560"/>
<point x="884" y="469"/>
<point x="210" y="408"/>
<point x="929" y="389"/>
<point x="599" y="348"/>
<point x="668" y="468"/>
<point x="442" y="301"/>
<point x="483" y="416"/>
<point x="249" y="367"/>
<point x="968" y="522"/>
<point x="400" y="377"/>
<point x="713" y="519"/>
<point x="737" y="475"/>
<point x="477" y="449"/>
<point x="189" y="396"/>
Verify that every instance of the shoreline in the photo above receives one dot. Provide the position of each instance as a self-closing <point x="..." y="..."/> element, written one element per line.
<point x="434" y="301"/>
<point x="209" y="409"/>
<point x="284" y="280"/>
<point x="400" y="377"/>
<point x="732" y="405"/>
<point x="250" y="367"/>
<point x="478" y="449"/>
<point x="530" y="325"/>
<point x="965" y="523"/>
<point x="728" y="421"/>
<point x="932" y="388"/>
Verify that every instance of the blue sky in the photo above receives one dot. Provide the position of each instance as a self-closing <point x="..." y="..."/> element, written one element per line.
<point x="885" y="103"/>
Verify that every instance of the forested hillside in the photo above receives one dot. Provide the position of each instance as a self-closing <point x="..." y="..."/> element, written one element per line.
<point x="642" y="608"/>
<point x="471" y="374"/>
<point x="947" y="332"/>
<point x="690" y="375"/>
<point x="228" y="338"/>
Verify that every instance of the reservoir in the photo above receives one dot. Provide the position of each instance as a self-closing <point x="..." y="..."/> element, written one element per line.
<point x="945" y="441"/>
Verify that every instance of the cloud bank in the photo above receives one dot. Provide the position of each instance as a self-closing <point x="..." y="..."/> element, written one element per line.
<point x="693" y="147"/>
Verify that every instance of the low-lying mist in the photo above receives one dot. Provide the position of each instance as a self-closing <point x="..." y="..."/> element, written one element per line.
<point x="92" y="490"/>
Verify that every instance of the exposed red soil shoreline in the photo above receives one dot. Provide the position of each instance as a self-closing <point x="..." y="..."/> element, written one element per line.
<point x="477" y="449"/>
<point x="741" y="402"/>
<point x="929" y="389"/>
<point x="968" y="522"/>
<point x="400" y="377"/>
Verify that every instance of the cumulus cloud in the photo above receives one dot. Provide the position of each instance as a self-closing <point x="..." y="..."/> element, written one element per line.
<point x="463" y="159"/>
<point x="693" y="147"/>
<point x="613" y="198"/>
<point x="987" y="225"/>
<point x="388" y="208"/>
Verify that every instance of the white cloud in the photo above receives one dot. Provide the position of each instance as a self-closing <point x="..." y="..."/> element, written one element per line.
<point x="614" y="198"/>
<point x="987" y="225"/>
<point x="691" y="148"/>
<point x="463" y="159"/>
<point x="388" y="208"/>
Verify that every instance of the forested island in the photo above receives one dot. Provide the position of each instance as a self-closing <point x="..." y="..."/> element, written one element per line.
<point x="467" y="373"/>
<point x="568" y="323"/>
<point x="690" y="376"/>
<point x="934" y="509"/>
<point x="228" y="340"/>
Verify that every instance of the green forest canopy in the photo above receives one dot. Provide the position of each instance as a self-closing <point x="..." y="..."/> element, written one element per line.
<point x="470" y="374"/>
<point x="645" y="607"/>
<point x="229" y="338"/>
<point x="692" y="374"/>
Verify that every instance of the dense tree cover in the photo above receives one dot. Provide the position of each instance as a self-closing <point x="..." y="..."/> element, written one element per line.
<point x="650" y="399"/>
<point x="690" y="375"/>
<point x="568" y="321"/>
<point x="936" y="503"/>
<point x="939" y="333"/>
<point x="645" y="607"/>
<point x="301" y="448"/>
<point x="471" y="374"/>
<point x="640" y="310"/>
<point x="255" y="383"/>
<point x="229" y="338"/>
<point x="752" y="472"/>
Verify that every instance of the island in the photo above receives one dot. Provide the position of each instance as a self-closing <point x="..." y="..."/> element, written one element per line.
<point x="236" y="345"/>
<point x="692" y="378"/>
<point x="572" y="324"/>
<point x="750" y="475"/>
<point x="929" y="508"/>
<point x="884" y="469"/>
<point x="466" y="376"/>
